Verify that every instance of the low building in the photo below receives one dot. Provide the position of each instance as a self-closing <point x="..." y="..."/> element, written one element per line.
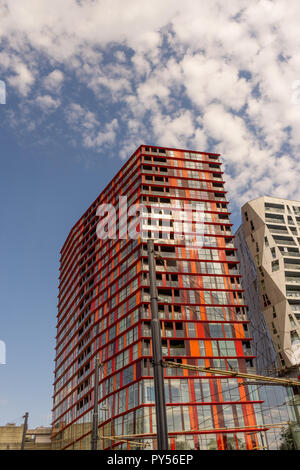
<point x="36" y="439"/>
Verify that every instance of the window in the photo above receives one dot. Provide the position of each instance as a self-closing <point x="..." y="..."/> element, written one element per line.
<point x="128" y="375"/>
<point x="275" y="265"/>
<point x="292" y="321"/>
<point x="216" y="330"/>
<point x="294" y="337"/>
<point x="261" y="271"/>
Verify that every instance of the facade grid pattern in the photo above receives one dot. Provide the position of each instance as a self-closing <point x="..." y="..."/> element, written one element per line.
<point x="104" y="310"/>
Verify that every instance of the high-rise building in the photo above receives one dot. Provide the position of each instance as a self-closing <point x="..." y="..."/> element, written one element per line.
<point x="266" y="360"/>
<point x="104" y="311"/>
<point x="278" y="404"/>
<point x="270" y="229"/>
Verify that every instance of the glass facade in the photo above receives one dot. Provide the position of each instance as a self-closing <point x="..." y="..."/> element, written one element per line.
<point x="104" y="310"/>
<point x="277" y="404"/>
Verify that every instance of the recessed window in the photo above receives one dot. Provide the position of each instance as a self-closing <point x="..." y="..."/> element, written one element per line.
<point x="275" y="265"/>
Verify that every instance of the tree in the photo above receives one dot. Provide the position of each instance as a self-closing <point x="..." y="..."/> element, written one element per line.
<point x="286" y="439"/>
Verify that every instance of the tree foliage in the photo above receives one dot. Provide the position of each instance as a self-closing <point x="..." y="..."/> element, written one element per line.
<point x="286" y="439"/>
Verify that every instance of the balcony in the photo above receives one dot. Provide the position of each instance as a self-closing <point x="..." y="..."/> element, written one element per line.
<point x="217" y="231"/>
<point x="293" y="294"/>
<point x="216" y="178"/>
<point x="234" y="259"/>
<point x="291" y="264"/>
<point x="247" y="352"/>
<point x="239" y="301"/>
<point x="295" y="253"/>
<point x="278" y="231"/>
<point x="292" y="280"/>
<point x="284" y="241"/>
<point x="293" y="291"/>
<point x="274" y="220"/>
<point x="295" y="307"/>
<point x="277" y="208"/>
<point x="234" y="272"/>
<point x="229" y="245"/>
<point x="177" y="352"/>
<point x="237" y="286"/>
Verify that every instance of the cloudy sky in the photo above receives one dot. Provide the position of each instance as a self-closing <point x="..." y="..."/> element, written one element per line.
<point x="87" y="82"/>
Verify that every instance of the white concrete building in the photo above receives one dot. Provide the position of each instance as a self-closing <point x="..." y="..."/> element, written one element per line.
<point x="271" y="228"/>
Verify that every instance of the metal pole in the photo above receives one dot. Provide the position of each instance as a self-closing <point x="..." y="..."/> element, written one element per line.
<point x="94" y="440"/>
<point x="111" y="433"/>
<point x="109" y="411"/>
<point x="111" y="427"/>
<point x="295" y="428"/>
<point x="24" y="429"/>
<point x="296" y="392"/>
<point x="158" y="370"/>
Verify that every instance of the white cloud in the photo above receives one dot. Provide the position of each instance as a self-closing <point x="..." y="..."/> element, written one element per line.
<point x="54" y="80"/>
<point x="46" y="102"/>
<point x="207" y="80"/>
<point x="120" y="56"/>
<point x="94" y="133"/>
<point x="22" y="78"/>
<point x="177" y="73"/>
<point x="175" y="130"/>
<point x="76" y="115"/>
<point x="107" y="136"/>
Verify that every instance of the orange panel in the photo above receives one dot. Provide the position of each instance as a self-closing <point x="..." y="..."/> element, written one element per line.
<point x="208" y="348"/>
<point x="194" y="345"/>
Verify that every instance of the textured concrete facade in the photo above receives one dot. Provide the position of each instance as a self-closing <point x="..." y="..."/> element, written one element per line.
<point x="266" y="359"/>
<point x="36" y="439"/>
<point x="271" y="230"/>
<point x="277" y="406"/>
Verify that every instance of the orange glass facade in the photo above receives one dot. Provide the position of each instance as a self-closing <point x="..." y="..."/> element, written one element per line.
<point x="104" y="310"/>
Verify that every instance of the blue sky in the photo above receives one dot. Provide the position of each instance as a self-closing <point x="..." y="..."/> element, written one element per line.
<point x="43" y="195"/>
<point x="88" y="82"/>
